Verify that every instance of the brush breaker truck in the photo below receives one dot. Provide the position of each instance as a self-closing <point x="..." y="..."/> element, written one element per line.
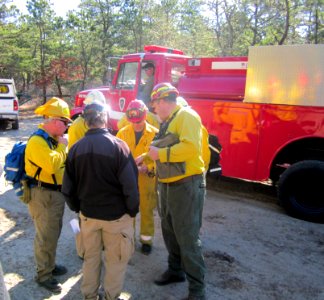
<point x="267" y="110"/>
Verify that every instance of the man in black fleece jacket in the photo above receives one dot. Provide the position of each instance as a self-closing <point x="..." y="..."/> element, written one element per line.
<point x="100" y="182"/>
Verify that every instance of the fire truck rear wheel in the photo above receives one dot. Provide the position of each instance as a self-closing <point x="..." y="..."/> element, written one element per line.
<point x="301" y="190"/>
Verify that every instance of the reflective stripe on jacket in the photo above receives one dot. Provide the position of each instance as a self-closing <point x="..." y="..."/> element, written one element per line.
<point x="77" y="130"/>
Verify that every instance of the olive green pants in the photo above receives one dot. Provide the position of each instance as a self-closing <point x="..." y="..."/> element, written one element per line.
<point x="181" y="209"/>
<point x="117" y="239"/>
<point x="46" y="208"/>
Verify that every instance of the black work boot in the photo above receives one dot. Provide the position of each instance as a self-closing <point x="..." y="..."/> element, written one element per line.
<point x="146" y="249"/>
<point x="168" y="277"/>
<point x="52" y="285"/>
<point x="59" y="270"/>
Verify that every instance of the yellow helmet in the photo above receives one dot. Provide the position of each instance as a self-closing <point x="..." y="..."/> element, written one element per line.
<point x="55" y="107"/>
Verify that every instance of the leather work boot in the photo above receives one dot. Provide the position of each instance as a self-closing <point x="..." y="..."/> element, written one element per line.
<point x="167" y="277"/>
<point x="52" y="285"/>
<point x="59" y="270"/>
<point x="146" y="249"/>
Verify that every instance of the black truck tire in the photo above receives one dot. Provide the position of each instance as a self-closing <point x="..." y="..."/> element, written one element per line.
<point x="301" y="190"/>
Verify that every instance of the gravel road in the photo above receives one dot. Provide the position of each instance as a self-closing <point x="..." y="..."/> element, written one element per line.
<point x="253" y="250"/>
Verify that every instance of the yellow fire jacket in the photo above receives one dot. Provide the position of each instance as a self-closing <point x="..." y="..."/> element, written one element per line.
<point x="52" y="161"/>
<point x="188" y="127"/>
<point x="77" y="130"/>
<point x="205" y="147"/>
<point x="127" y="134"/>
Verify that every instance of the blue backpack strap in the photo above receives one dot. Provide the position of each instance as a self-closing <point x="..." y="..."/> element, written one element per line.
<point x="52" y="143"/>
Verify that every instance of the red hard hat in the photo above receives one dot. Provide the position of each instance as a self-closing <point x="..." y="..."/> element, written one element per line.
<point x="136" y="111"/>
<point x="163" y="90"/>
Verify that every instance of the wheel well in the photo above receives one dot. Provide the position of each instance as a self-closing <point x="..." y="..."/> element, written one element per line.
<point x="305" y="149"/>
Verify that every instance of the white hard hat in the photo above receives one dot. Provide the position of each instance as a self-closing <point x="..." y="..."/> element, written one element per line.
<point x="95" y="96"/>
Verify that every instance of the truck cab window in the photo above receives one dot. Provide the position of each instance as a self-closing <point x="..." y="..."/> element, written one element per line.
<point x="175" y="71"/>
<point x="127" y="76"/>
<point x="146" y="82"/>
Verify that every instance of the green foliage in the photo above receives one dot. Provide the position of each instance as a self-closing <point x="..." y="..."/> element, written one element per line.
<point x="64" y="55"/>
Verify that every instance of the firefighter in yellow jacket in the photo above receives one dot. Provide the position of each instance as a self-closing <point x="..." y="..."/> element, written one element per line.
<point x="205" y="135"/>
<point x="46" y="206"/>
<point x="78" y="128"/>
<point x="139" y="135"/>
<point x="151" y="118"/>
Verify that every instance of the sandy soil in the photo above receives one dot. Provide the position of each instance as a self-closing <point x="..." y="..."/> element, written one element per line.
<point x="253" y="250"/>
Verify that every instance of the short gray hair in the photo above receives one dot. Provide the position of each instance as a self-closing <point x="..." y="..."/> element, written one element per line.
<point x="95" y="116"/>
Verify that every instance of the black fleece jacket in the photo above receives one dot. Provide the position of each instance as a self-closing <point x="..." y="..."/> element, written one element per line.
<point x="100" y="177"/>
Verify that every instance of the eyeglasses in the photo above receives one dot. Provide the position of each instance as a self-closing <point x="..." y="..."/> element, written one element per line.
<point x="66" y="122"/>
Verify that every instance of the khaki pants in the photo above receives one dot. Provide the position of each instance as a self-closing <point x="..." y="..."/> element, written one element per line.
<point x="78" y="244"/>
<point x="116" y="237"/>
<point x="46" y="208"/>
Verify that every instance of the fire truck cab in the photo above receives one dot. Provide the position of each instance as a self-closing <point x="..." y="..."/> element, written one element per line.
<point x="130" y="79"/>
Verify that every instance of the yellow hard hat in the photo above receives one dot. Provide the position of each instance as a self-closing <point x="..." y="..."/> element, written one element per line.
<point x="55" y="107"/>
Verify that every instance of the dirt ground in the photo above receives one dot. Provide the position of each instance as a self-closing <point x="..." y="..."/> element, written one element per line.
<point x="253" y="250"/>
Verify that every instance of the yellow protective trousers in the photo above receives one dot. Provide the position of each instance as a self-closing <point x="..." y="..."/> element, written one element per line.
<point x="147" y="191"/>
<point x="146" y="184"/>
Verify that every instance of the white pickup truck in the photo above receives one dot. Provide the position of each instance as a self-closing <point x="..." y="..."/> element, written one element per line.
<point x="9" y="106"/>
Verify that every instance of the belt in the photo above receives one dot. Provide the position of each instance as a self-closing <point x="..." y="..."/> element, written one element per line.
<point x="53" y="187"/>
<point x="184" y="180"/>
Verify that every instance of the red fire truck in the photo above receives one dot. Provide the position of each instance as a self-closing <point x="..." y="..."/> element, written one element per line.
<point x="267" y="111"/>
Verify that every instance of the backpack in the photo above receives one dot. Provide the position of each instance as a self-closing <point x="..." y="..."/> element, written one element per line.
<point x="14" y="167"/>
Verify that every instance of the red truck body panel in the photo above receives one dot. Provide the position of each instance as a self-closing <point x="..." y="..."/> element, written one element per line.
<point x="252" y="134"/>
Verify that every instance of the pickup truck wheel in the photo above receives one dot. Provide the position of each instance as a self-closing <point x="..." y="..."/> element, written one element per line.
<point x="15" y="125"/>
<point x="301" y="190"/>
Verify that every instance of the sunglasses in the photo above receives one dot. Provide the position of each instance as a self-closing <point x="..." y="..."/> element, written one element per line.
<point x="66" y="122"/>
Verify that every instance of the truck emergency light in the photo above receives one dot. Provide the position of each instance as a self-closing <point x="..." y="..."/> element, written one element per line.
<point x="154" y="48"/>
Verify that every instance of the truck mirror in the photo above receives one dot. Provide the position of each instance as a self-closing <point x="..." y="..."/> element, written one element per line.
<point x="110" y="76"/>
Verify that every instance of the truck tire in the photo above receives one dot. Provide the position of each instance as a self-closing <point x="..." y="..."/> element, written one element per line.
<point x="15" y="125"/>
<point x="301" y="190"/>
